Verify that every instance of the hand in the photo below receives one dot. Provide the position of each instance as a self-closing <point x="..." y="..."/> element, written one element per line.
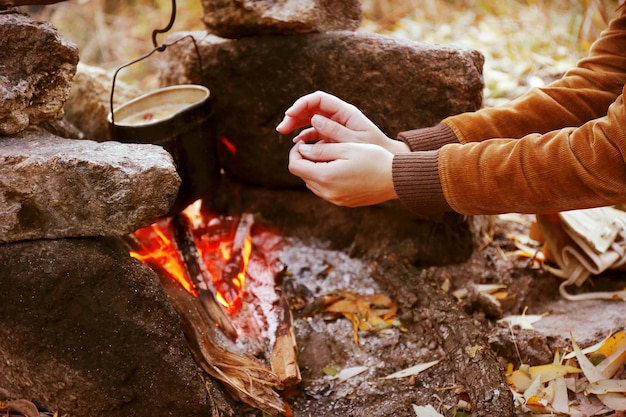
<point x="333" y="120"/>
<point x="346" y="174"/>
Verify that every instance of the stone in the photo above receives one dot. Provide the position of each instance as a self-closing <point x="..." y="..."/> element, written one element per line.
<point x="52" y="187"/>
<point x="37" y="66"/>
<point x="236" y="19"/>
<point x="92" y="334"/>
<point x="399" y="84"/>
<point x="89" y="103"/>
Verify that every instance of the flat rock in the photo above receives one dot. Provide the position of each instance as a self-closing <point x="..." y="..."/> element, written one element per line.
<point x="52" y="187"/>
<point x="89" y="103"/>
<point x="236" y="19"/>
<point x="92" y="334"/>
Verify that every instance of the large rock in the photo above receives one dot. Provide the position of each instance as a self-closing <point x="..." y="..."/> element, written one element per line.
<point x="235" y="19"/>
<point x="399" y="84"/>
<point x="89" y="333"/>
<point x="89" y="103"/>
<point x="37" y="66"/>
<point x="52" y="187"/>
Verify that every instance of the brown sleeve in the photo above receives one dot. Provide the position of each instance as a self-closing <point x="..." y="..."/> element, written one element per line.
<point x="583" y="94"/>
<point x="566" y="169"/>
<point x="429" y="138"/>
<point x="416" y="181"/>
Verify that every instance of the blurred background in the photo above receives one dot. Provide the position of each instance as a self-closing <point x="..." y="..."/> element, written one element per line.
<point x="525" y="42"/>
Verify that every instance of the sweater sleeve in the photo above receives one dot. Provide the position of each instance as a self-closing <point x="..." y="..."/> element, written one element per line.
<point x="565" y="169"/>
<point x="557" y="148"/>
<point x="429" y="138"/>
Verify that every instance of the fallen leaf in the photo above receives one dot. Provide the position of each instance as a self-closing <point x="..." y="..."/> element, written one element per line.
<point x="587" y="367"/>
<point x="608" y="346"/>
<point x="348" y="373"/>
<point x="484" y="288"/>
<point x="520" y="380"/>
<point x="605" y="386"/>
<point x="609" y="366"/>
<point x="549" y="372"/>
<point x="614" y="401"/>
<point x="413" y="370"/>
<point x="560" y="402"/>
<point x="427" y="411"/>
<point x="522" y="321"/>
<point x="330" y="370"/>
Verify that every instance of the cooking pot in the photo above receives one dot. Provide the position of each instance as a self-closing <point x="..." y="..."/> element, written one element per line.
<point x="178" y="118"/>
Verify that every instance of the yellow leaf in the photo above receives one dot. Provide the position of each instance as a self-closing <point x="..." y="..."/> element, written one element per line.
<point x="537" y="404"/>
<point x="549" y="372"/>
<point x="610" y="345"/>
<point x="587" y="367"/>
<point x="520" y="380"/>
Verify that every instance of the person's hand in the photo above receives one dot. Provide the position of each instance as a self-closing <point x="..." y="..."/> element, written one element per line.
<point x="333" y="120"/>
<point x="346" y="174"/>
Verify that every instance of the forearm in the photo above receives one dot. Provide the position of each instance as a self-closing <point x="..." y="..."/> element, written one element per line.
<point x="566" y="169"/>
<point x="583" y="94"/>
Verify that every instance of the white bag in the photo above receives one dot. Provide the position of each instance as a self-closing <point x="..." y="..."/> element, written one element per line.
<point x="583" y="243"/>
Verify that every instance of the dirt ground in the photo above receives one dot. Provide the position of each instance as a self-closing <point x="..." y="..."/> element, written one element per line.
<point x="327" y="344"/>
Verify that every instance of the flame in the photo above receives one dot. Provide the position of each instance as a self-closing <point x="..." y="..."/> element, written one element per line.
<point x="158" y="248"/>
<point x="213" y="236"/>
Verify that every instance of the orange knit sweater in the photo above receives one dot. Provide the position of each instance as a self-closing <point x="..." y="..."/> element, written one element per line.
<point x="557" y="148"/>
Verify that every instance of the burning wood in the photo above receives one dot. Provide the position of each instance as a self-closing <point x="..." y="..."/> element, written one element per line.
<point x="188" y="252"/>
<point x="231" y="284"/>
<point x="202" y="262"/>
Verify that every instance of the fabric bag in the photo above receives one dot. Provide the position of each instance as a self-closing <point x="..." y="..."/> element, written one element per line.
<point x="584" y="243"/>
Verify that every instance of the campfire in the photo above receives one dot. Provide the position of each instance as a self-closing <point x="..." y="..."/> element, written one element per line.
<point x="288" y="303"/>
<point x="231" y="305"/>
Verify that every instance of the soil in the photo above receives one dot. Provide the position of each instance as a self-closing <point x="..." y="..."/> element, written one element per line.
<point x="327" y="343"/>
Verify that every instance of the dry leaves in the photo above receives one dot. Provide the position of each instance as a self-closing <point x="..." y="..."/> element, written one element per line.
<point x="590" y="382"/>
<point x="366" y="312"/>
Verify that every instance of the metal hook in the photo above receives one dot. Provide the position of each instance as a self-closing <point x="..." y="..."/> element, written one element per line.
<point x="166" y="28"/>
<point x="159" y="48"/>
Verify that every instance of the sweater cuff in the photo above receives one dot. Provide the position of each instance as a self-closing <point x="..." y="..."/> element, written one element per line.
<point x="417" y="184"/>
<point x="428" y="138"/>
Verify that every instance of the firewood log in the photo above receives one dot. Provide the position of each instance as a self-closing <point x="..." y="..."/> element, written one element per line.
<point x="188" y="252"/>
<point x="246" y="378"/>
<point x="284" y="356"/>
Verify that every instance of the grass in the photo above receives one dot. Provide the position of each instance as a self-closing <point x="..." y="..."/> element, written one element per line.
<point x="525" y="42"/>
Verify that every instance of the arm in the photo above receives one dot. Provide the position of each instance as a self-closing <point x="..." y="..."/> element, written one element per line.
<point x="566" y="169"/>
<point x="583" y="94"/>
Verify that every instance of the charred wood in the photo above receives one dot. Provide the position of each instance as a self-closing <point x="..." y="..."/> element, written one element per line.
<point x="246" y="378"/>
<point x="188" y="252"/>
<point x="284" y="356"/>
<point x="230" y="285"/>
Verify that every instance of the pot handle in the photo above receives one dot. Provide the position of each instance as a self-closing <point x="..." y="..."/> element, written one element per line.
<point x="159" y="48"/>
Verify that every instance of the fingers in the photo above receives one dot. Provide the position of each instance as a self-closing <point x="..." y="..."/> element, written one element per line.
<point x="319" y="102"/>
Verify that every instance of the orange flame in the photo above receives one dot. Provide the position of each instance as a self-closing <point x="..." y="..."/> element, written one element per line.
<point x="215" y="249"/>
<point x="158" y="248"/>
